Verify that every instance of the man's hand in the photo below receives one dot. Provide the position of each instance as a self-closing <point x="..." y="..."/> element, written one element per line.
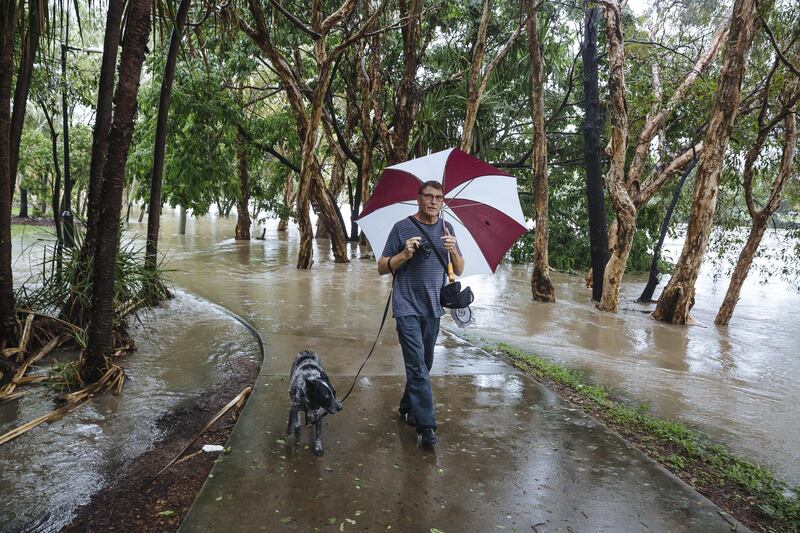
<point x="411" y="247"/>
<point x="449" y="242"/>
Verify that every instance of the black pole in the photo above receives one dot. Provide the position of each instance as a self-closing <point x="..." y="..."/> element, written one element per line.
<point x="66" y="216"/>
<point x="598" y="234"/>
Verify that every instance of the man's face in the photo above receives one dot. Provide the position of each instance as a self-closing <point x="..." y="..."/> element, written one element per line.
<point x="430" y="201"/>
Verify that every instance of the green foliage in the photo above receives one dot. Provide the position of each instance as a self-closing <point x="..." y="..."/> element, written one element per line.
<point x="51" y="282"/>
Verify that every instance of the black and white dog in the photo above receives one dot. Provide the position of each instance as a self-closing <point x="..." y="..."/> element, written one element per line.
<point x="311" y="392"/>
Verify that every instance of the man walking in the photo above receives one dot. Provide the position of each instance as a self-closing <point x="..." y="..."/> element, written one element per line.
<point x="419" y="277"/>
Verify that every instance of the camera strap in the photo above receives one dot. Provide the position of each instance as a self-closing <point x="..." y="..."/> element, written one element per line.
<point x="433" y="245"/>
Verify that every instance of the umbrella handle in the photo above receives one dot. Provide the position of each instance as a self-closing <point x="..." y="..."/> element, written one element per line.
<point x="450" y="273"/>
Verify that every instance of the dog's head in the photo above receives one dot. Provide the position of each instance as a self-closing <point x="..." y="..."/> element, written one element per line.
<point x="322" y="394"/>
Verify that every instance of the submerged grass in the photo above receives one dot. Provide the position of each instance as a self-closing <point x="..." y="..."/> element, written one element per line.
<point x="749" y="492"/>
<point x="52" y="282"/>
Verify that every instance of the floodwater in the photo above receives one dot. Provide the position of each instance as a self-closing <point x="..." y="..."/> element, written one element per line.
<point x="736" y="383"/>
<point x="184" y="348"/>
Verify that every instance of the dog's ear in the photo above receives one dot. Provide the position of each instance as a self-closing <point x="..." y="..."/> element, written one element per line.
<point x="320" y="392"/>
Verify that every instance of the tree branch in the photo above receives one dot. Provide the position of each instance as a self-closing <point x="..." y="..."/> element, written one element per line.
<point x="296" y="21"/>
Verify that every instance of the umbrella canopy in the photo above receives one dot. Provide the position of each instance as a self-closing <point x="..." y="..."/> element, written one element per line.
<point x="480" y="201"/>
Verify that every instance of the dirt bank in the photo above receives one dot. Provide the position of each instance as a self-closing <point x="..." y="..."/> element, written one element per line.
<point x="131" y="502"/>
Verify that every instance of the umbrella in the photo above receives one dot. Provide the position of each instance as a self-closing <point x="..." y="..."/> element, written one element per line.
<point x="480" y="201"/>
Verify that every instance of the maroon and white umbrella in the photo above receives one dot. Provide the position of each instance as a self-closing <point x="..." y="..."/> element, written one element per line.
<point x="480" y="201"/>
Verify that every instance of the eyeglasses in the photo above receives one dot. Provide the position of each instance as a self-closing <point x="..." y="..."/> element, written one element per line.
<point x="428" y="196"/>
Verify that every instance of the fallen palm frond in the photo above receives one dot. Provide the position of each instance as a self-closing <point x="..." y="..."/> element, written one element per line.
<point x="13" y="396"/>
<point x="23" y="367"/>
<point x="112" y="380"/>
<point x="237" y="402"/>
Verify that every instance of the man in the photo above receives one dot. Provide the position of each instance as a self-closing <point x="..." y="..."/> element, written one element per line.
<point x="419" y="276"/>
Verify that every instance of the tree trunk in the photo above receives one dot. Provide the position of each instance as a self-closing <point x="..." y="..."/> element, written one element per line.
<point x="55" y="200"/>
<point x="761" y="218"/>
<point x="624" y="209"/>
<point x="23" y="202"/>
<point x="100" y="338"/>
<point x="652" y="282"/>
<point x="142" y="211"/>
<point x="102" y="123"/>
<point x="9" y="326"/>
<point x="677" y="299"/>
<point x="30" y="46"/>
<point x="541" y="286"/>
<point x="288" y="199"/>
<point x="159" y="147"/>
<point x="598" y="232"/>
<point x="243" y="198"/>
<point x="474" y="80"/>
<point x="182" y="222"/>
<point x="331" y="217"/>
<point x="407" y="102"/>
<point x="66" y="200"/>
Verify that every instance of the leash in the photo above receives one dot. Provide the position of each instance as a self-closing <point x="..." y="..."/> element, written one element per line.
<point x="383" y="321"/>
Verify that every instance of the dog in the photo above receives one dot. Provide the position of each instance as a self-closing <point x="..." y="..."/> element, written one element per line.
<point x="310" y="391"/>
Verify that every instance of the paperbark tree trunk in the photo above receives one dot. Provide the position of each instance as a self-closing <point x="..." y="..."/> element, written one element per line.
<point x="473" y="82"/>
<point x="677" y="298"/>
<point x="479" y="76"/>
<point x="159" y="148"/>
<point x="624" y="209"/>
<point x="541" y="286"/>
<point x="407" y="104"/>
<point x="182" y="221"/>
<point x="761" y="218"/>
<point x="100" y="337"/>
<point x="243" y="198"/>
<point x="598" y="232"/>
<point x="288" y="199"/>
<point x="624" y="190"/>
<point x="9" y="326"/>
<point x="308" y="117"/>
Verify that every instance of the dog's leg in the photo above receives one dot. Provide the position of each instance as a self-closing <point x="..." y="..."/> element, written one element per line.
<point x="294" y="414"/>
<point x="318" y="436"/>
<point x="297" y="426"/>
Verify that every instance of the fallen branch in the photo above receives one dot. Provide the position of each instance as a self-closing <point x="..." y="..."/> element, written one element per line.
<point x="238" y="402"/>
<point x="112" y="380"/>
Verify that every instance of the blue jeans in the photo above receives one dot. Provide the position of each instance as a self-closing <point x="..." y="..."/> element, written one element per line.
<point x="417" y="335"/>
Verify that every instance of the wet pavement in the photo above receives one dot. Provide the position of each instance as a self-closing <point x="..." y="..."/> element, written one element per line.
<point x="737" y="384"/>
<point x="512" y="454"/>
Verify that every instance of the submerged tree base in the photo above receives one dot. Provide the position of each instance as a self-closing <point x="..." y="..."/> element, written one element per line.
<point x="748" y="492"/>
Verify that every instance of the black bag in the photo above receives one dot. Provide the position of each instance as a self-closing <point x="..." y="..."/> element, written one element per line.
<point x="453" y="297"/>
<point x="450" y="295"/>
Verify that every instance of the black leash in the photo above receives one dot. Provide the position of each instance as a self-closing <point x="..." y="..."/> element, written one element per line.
<point x="383" y="321"/>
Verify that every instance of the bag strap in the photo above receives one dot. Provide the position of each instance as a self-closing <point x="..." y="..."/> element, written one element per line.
<point x="441" y="259"/>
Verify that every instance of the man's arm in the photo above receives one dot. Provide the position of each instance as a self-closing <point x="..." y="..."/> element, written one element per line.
<point x="398" y="260"/>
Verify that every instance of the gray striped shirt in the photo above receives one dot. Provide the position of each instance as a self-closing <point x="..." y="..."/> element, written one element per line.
<point x="418" y="281"/>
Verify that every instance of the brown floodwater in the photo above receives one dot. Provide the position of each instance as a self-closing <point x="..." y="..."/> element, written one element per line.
<point x="183" y="349"/>
<point x="735" y="383"/>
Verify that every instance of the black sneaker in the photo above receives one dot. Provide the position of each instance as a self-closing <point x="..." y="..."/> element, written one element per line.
<point x="428" y="436"/>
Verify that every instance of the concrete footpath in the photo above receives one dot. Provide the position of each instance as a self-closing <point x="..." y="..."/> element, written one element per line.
<point x="512" y="454"/>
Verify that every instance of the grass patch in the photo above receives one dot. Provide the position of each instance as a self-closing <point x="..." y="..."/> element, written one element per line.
<point x="747" y="491"/>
